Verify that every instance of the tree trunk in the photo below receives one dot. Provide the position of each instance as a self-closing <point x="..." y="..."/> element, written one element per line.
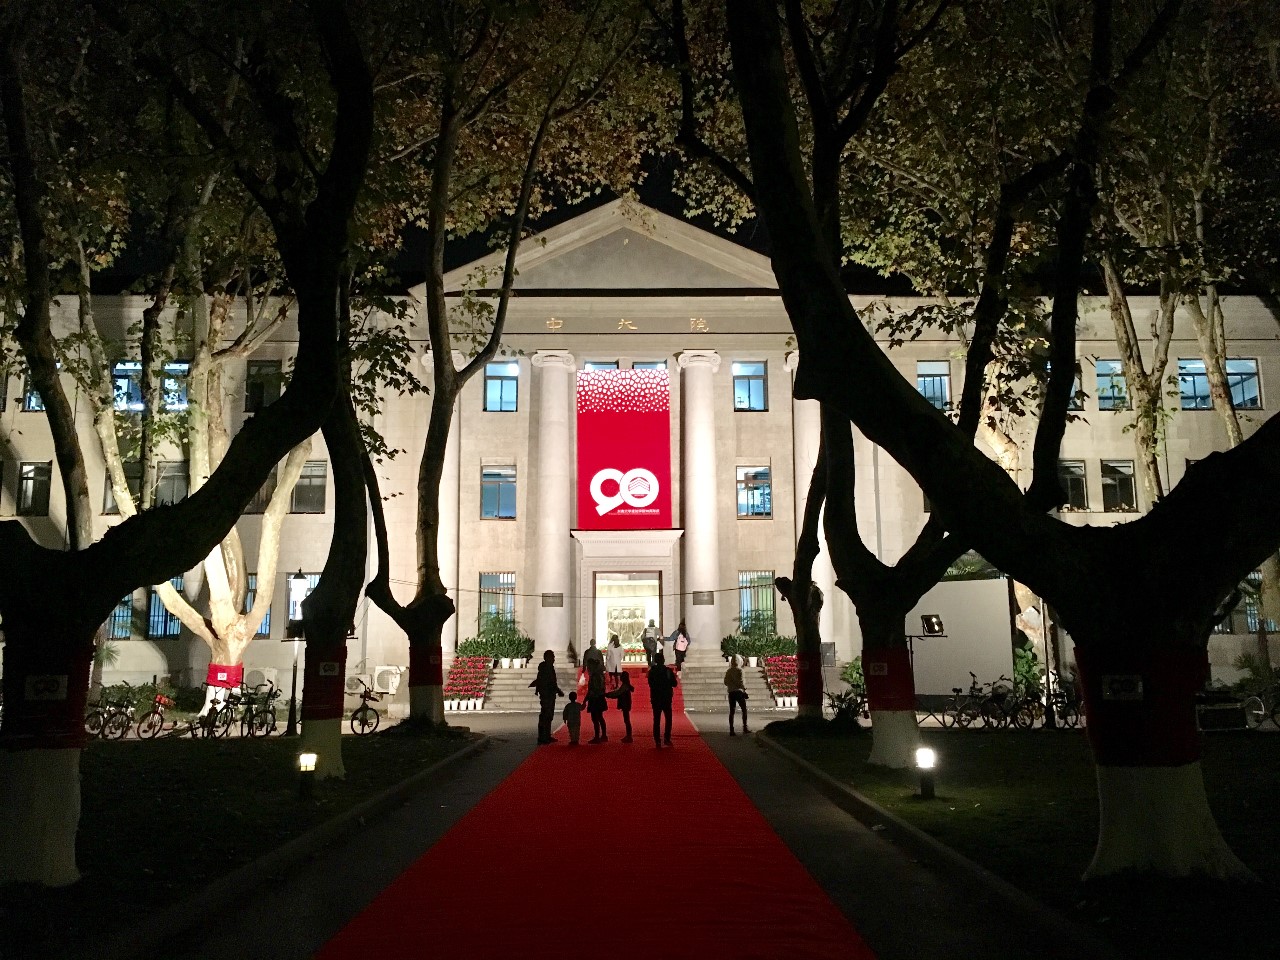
<point x="1153" y="815"/>
<point x="891" y="687"/>
<point x="426" y="657"/>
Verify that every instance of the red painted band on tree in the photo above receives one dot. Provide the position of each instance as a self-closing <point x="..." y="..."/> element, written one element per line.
<point x="809" y="677"/>
<point x="426" y="666"/>
<point x="48" y="713"/>
<point x="324" y="684"/>
<point x="890" y="682"/>
<point x="228" y="675"/>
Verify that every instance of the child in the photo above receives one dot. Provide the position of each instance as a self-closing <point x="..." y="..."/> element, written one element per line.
<point x="623" y="696"/>
<point x="573" y="718"/>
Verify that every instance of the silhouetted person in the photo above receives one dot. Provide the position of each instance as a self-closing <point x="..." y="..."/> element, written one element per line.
<point x="737" y="694"/>
<point x="650" y="643"/>
<point x="573" y="718"/>
<point x="592" y="655"/>
<point x="662" y="684"/>
<point x="596" y="703"/>
<point x="623" y="696"/>
<point x="547" y="687"/>
<point x="680" y="643"/>
<point x="613" y="659"/>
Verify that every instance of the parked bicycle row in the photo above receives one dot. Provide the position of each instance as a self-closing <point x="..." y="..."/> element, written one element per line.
<point x="1003" y="703"/>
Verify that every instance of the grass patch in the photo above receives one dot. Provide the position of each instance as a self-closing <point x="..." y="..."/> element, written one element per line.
<point x="160" y="820"/>
<point x="1024" y="805"/>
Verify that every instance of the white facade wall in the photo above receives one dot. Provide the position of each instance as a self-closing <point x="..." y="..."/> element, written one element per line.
<point x="607" y="288"/>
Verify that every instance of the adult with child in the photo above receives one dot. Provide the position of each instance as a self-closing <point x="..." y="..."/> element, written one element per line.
<point x="596" y="702"/>
<point x="547" y="687"/>
<point x="623" y="695"/>
<point x="662" y="685"/>
<point x="737" y="694"/>
<point x="613" y="659"/>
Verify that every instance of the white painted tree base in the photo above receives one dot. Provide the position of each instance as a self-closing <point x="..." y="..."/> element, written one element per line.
<point x="324" y="739"/>
<point x="1157" y="820"/>
<point x="39" y="815"/>
<point x="894" y="738"/>
<point x="426" y="703"/>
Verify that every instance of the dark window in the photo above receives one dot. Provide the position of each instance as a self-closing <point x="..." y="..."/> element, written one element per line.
<point x="263" y="497"/>
<point x="250" y="594"/>
<point x="600" y="365"/>
<point x="501" y="386"/>
<point x="755" y="492"/>
<point x="755" y="597"/>
<point x="933" y="380"/>
<point x="498" y="492"/>
<point x="1072" y="477"/>
<point x="309" y="491"/>
<point x="750" y="386"/>
<point x="4" y="390"/>
<point x="133" y="477"/>
<point x="120" y="625"/>
<point x="34" y="480"/>
<point x="171" y="481"/>
<point x="32" y="402"/>
<point x="160" y="622"/>
<point x="1113" y="390"/>
<point x="175" y="385"/>
<point x="262" y="384"/>
<point x="638" y="365"/>
<point x="497" y="594"/>
<point x="1119" y="494"/>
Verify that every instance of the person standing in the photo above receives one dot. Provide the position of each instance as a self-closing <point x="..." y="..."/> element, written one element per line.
<point x="592" y="656"/>
<point x="662" y="685"/>
<point x="650" y="643"/>
<point x="573" y="718"/>
<point x="737" y="694"/>
<point x="613" y="659"/>
<point x="623" y="696"/>
<point x="547" y="687"/>
<point x="596" y="702"/>
<point x="680" y="643"/>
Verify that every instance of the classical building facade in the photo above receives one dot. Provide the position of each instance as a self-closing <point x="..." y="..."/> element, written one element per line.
<point x="636" y="454"/>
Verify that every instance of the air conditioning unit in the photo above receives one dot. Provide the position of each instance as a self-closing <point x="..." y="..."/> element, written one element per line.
<point x="386" y="679"/>
<point x="259" y="677"/>
<point x="356" y="684"/>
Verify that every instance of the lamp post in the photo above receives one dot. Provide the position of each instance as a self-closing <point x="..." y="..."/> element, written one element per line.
<point x="306" y="775"/>
<point x="294" y="632"/>
<point x="926" y="760"/>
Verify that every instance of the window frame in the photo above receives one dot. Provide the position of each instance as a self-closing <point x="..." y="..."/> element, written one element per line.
<point x="133" y="479"/>
<point x="262" y="498"/>
<point x="159" y="616"/>
<point x="503" y="588"/>
<point x="747" y="478"/>
<point x="254" y="378"/>
<point x="1082" y="477"/>
<point x="1110" y="482"/>
<point x="1108" y="398"/>
<point x="756" y="586"/>
<point x="502" y="379"/>
<point x="26" y="506"/>
<point x="310" y="473"/>
<point x="750" y="380"/>
<point x="601" y="366"/>
<point x="649" y="365"/>
<point x="32" y="402"/>
<point x="498" y="484"/>
<point x="170" y="473"/>
<point x="250" y="594"/>
<point x="923" y="375"/>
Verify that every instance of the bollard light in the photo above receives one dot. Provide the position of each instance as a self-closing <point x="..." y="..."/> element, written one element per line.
<point x="306" y="775"/>
<point x="926" y="760"/>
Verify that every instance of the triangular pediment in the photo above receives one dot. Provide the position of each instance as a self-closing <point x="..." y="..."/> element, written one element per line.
<point x="626" y="246"/>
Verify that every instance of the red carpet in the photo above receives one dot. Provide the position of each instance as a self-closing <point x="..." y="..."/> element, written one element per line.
<point x="613" y="850"/>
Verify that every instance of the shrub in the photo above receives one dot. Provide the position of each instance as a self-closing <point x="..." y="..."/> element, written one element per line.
<point x="851" y="673"/>
<point x="1026" y="668"/>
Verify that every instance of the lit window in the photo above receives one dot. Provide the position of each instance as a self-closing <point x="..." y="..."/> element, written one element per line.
<point x="34" y="480"/>
<point x="1113" y="390"/>
<point x="32" y="402"/>
<point x="126" y="379"/>
<point x="498" y="492"/>
<point x="933" y="380"/>
<point x="643" y="365"/>
<point x="133" y="477"/>
<point x="750" y="386"/>
<point x="1242" y="382"/>
<point x="600" y="365"/>
<point x="755" y="492"/>
<point x="160" y="622"/>
<point x="262" y="384"/>
<point x="501" y="386"/>
<point x="1119" y="494"/>
<point x="497" y="595"/>
<point x="295" y="611"/>
<point x="251" y="594"/>
<point x="755" y="600"/>
<point x="309" y="491"/>
<point x="120" y="625"/>
<point x="1072" y="477"/>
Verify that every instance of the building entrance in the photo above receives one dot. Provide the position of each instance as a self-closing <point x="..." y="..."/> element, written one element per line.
<point x="625" y="603"/>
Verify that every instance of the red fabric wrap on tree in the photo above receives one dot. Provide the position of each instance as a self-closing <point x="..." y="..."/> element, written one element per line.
<point x="324" y="684"/>
<point x="48" y="695"/>
<point x="1150" y="726"/>
<point x="225" y="675"/>
<point x="809" y="678"/>
<point x="890" y="683"/>
<point x="426" y="666"/>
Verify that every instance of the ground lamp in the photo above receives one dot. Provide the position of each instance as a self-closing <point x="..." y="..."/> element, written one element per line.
<point x="297" y="593"/>
<point x="306" y="775"/>
<point x="926" y="759"/>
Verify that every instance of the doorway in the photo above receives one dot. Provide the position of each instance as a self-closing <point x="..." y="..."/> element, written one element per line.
<point x="624" y="603"/>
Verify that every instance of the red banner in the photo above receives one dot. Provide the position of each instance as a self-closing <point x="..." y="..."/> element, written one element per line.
<point x="624" y="450"/>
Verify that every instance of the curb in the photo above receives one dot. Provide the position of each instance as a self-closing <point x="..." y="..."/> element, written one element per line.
<point x="939" y="856"/>
<point x="222" y="893"/>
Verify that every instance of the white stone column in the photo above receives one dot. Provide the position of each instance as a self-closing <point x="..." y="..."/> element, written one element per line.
<point x="806" y="437"/>
<point x="702" y="604"/>
<point x="553" y="581"/>
<point x="447" y="549"/>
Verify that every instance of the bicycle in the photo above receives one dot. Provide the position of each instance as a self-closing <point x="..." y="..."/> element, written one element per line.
<point x="152" y="724"/>
<point x="1261" y="705"/>
<point x="365" y="719"/>
<point x="259" y="719"/>
<point x="963" y="708"/>
<point x="222" y="713"/>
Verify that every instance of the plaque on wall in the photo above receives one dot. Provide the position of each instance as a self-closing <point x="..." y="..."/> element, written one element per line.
<point x="553" y="599"/>
<point x="704" y="598"/>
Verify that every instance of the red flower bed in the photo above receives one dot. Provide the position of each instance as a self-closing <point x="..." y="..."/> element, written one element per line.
<point x="468" y="678"/>
<point x="780" y="672"/>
